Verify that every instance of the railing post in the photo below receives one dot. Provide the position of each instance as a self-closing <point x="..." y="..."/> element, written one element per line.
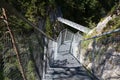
<point x="93" y="55"/>
<point x="71" y="44"/>
<point x="79" y="48"/>
<point x="45" y="59"/>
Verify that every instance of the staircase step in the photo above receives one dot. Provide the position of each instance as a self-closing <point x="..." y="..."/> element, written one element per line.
<point x="56" y="69"/>
<point x="66" y="75"/>
<point x="50" y="71"/>
<point x="77" y="77"/>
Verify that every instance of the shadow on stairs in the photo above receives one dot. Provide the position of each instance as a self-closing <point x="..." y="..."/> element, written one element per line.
<point x="67" y="73"/>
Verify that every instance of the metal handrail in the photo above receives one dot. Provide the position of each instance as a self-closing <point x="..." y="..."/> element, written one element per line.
<point x="92" y="75"/>
<point x="103" y="34"/>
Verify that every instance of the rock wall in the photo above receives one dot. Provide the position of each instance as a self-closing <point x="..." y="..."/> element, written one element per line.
<point x="102" y="55"/>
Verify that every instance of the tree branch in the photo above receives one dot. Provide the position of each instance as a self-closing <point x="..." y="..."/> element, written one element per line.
<point x="14" y="45"/>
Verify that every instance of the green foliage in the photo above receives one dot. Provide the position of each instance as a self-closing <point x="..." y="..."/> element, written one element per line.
<point x="85" y="44"/>
<point x="11" y="72"/>
<point x="81" y="11"/>
<point x="30" y="48"/>
<point x="7" y="68"/>
<point x="113" y="9"/>
<point x="52" y="3"/>
<point x="30" y="71"/>
<point x="1" y="69"/>
<point x="89" y="22"/>
<point x="112" y="24"/>
<point x="6" y="78"/>
<point x="1" y="46"/>
<point x="41" y="8"/>
<point x="85" y="12"/>
<point x="48" y="27"/>
<point x="1" y="75"/>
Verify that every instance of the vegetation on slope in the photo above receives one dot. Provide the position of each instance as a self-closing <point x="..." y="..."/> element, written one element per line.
<point x="84" y="12"/>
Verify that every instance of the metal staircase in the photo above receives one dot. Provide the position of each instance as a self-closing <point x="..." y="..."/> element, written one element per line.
<point x="61" y="60"/>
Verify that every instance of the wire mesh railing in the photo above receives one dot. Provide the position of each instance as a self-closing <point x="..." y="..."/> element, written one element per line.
<point x="67" y="43"/>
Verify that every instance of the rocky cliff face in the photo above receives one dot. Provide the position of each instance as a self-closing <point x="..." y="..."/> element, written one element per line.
<point x="107" y="61"/>
<point x="102" y="55"/>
